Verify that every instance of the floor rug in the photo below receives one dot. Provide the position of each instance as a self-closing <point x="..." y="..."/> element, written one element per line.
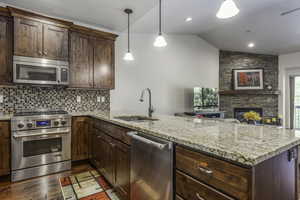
<point x="88" y="185"/>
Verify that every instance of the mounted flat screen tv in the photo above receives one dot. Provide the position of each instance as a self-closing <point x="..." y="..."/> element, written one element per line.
<point x="205" y="98"/>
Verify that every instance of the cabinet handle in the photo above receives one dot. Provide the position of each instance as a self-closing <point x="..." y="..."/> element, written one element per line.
<point x="99" y="136"/>
<point x="205" y="170"/>
<point x="199" y="197"/>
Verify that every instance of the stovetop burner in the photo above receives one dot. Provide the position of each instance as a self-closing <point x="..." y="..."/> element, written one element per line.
<point x="40" y="112"/>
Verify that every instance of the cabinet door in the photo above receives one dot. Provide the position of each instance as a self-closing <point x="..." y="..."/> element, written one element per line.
<point x="81" y="61"/>
<point x="104" y="70"/>
<point x="122" y="162"/>
<point x="96" y="151"/>
<point x="4" y="148"/>
<point x="55" y="42"/>
<point x="28" y="38"/>
<point x="80" y="138"/>
<point x="6" y="51"/>
<point x="108" y="159"/>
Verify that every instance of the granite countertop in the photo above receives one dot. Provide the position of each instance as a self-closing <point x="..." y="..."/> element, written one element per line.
<point x="245" y="144"/>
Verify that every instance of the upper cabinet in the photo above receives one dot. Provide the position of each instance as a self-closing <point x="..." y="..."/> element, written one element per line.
<point x="92" y="59"/>
<point x="81" y="61"/>
<point x="104" y="67"/>
<point x="55" y="41"/>
<point x="28" y="38"/>
<point x="40" y="37"/>
<point x="91" y="53"/>
<point x="6" y="50"/>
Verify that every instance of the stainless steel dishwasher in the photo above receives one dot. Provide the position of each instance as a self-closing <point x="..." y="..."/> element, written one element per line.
<point x="151" y="176"/>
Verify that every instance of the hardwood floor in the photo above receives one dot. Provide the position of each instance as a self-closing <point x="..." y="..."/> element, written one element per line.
<point x="42" y="188"/>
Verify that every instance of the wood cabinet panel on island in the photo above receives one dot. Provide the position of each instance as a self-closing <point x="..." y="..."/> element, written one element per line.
<point x="6" y="50"/>
<point x="4" y="148"/>
<point x="112" y="158"/>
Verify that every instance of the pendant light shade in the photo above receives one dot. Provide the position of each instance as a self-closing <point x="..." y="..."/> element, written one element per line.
<point x="128" y="55"/>
<point x="160" y="41"/>
<point x="228" y="9"/>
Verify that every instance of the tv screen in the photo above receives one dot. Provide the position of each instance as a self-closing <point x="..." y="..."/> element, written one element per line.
<point x="205" y="98"/>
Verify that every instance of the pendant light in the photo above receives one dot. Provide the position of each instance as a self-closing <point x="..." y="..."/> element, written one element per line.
<point x="160" y="40"/>
<point x="228" y="9"/>
<point x="128" y="55"/>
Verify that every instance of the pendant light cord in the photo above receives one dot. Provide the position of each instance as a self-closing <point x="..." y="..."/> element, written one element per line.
<point x="160" y="17"/>
<point x="128" y="33"/>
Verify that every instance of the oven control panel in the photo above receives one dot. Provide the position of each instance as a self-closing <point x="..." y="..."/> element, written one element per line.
<point x="40" y="123"/>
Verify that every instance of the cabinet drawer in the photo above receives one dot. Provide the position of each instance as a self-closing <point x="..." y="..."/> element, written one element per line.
<point x="114" y="131"/>
<point x="191" y="189"/>
<point x="229" y="178"/>
<point x="4" y="129"/>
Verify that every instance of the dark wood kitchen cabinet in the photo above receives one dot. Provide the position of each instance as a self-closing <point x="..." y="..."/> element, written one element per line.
<point x="80" y="138"/>
<point x="81" y="61"/>
<point x="112" y="157"/>
<point x="122" y="162"/>
<point x="40" y="37"/>
<point x="28" y="38"/>
<point x="6" y="50"/>
<point x="55" y="42"/>
<point x="91" y="59"/>
<point x="4" y="148"/>
<point x="104" y="71"/>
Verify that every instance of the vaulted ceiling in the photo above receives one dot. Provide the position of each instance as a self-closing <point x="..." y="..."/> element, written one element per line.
<point x="259" y="21"/>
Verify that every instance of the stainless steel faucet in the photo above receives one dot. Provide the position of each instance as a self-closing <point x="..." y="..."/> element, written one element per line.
<point x="150" y="109"/>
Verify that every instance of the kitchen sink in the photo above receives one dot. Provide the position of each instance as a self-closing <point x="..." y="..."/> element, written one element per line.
<point x="135" y="118"/>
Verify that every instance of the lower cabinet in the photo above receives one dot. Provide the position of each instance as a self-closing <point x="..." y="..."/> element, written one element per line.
<point x="122" y="164"/>
<point x="4" y="148"/>
<point x="80" y="138"/>
<point x="111" y="157"/>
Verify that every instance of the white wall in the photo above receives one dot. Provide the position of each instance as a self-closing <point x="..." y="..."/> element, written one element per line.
<point x="289" y="65"/>
<point x="170" y="72"/>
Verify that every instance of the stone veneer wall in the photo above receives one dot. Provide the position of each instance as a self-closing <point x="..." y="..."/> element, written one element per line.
<point x="230" y="60"/>
<point x="27" y="97"/>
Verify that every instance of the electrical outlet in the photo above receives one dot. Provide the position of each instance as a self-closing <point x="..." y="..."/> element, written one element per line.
<point x="1" y="99"/>
<point x="78" y="99"/>
<point x="98" y="99"/>
<point x="102" y="99"/>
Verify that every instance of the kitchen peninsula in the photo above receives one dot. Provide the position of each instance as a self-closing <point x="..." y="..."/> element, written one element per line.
<point x="219" y="160"/>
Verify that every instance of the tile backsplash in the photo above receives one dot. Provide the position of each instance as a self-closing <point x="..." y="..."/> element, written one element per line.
<point x="27" y="97"/>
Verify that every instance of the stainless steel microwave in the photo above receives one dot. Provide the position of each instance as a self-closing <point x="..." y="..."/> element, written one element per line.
<point x="40" y="71"/>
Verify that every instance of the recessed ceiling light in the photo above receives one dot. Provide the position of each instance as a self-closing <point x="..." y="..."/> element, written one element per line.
<point x="251" y="45"/>
<point x="188" y="19"/>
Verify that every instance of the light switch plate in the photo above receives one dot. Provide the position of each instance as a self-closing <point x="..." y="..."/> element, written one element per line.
<point x="1" y="99"/>
<point x="99" y="99"/>
<point x="78" y="99"/>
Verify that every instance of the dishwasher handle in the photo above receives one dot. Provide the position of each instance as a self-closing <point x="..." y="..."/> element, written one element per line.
<point x="145" y="140"/>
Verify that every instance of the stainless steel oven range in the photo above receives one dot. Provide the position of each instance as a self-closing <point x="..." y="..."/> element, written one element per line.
<point x="41" y="143"/>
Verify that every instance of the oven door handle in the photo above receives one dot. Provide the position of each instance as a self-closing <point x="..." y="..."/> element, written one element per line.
<point x="44" y="134"/>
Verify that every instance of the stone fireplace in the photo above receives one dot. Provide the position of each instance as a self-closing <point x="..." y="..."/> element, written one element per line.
<point x="238" y="100"/>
